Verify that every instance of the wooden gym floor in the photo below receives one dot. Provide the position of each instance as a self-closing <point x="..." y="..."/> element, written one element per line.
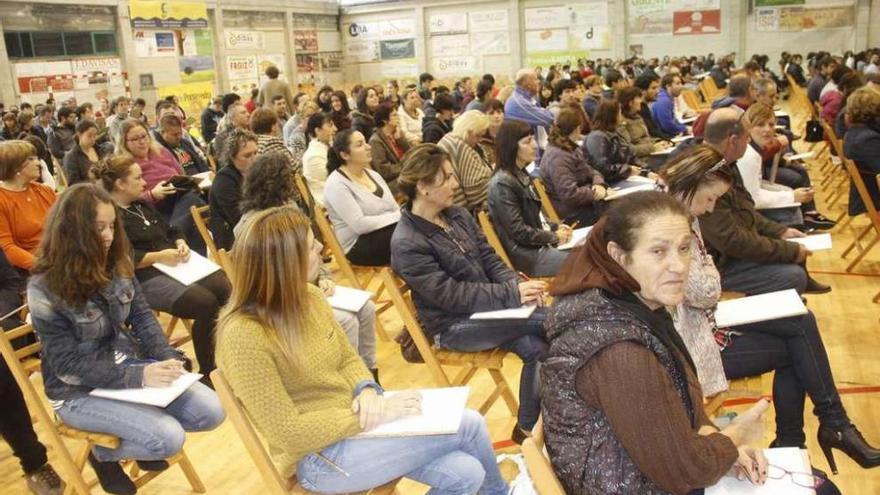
<point x="847" y="318"/>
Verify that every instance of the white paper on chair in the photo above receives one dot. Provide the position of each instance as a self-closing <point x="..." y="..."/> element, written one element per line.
<point x="763" y="307"/>
<point x="442" y="410"/>
<point x="578" y="237"/>
<point x="816" y="242"/>
<point x="152" y="396"/>
<point x="799" y="156"/>
<point x="197" y="268"/>
<point x="348" y="299"/>
<point x="205" y="177"/>
<point x="687" y="120"/>
<point x="621" y="191"/>
<point x="520" y="313"/>
<point x="791" y="459"/>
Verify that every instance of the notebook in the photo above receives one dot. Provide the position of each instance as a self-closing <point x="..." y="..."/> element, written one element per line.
<point x="578" y="237"/>
<point x="623" y="190"/>
<point x="791" y="459"/>
<point x="763" y="307"/>
<point x="151" y="396"/>
<point x="197" y="268"/>
<point x="348" y="299"/>
<point x="520" y="313"/>
<point x="442" y="410"/>
<point x="816" y="242"/>
<point x="799" y="156"/>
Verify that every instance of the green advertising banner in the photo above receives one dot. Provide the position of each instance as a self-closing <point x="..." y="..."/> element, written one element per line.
<point x="776" y="3"/>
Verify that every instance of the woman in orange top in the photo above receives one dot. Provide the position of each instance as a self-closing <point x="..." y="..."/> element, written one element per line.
<point x="24" y="203"/>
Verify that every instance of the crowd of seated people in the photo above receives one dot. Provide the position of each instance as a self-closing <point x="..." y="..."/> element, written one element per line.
<point x="403" y="178"/>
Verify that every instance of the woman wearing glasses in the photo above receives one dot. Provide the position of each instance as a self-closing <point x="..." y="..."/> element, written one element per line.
<point x="159" y="165"/>
<point x="440" y="252"/>
<point x="792" y="347"/>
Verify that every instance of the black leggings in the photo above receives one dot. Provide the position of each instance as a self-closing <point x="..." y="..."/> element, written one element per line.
<point x="15" y="424"/>
<point x="373" y="249"/>
<point x="794" y="348"/>
<point x="201" y="302"/>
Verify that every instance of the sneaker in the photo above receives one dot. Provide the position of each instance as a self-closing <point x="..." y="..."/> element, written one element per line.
<point x="818" y="221"/>
<point x="45" y="481"/>
<point x="112" y="477"/>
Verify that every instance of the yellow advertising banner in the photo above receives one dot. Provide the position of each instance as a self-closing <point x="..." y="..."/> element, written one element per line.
<point x="156" y="14"/>
<point x="192" y="97"/>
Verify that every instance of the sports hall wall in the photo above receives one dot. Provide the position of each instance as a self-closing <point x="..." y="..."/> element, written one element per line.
<point x="315" y="42"/>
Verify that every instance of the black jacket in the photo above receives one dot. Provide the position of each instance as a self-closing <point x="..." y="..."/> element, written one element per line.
<point x="210" y="119"/>
<point x="515" y="208"/>
<point x="61" y="140"/>
<point x="363" y="123"/>
<point x="433" y="129"/>
<point x="77" y="165"/>
<point x="198" y="164"/>
<point x="452" y="275"/>
<point x="609" y="154"/>
<point x="653" y="128"/>
<point x="225" y="201"/>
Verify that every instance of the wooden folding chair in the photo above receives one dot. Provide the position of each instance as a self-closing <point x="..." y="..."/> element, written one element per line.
<point x="360" y="277"/>
<point x="873" y="216"/>
<point x="201" y="216"/>
<point x="22" y="363"/>
<point x="538" y="463"/>
<point x="693" y="101"/>
<point x="709" y="89"/>
<point x="469" y="362"/>
<point x="273" y="480"/>
<point x="492" y="237"/>
<point x="172" y="325"/>
<point x="546" y="204"/>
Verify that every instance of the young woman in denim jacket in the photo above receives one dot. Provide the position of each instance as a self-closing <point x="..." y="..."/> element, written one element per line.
<point x="97" y="331"/>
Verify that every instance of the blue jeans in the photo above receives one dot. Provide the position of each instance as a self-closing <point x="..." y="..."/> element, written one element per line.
<point x="759" y="278"/>
<point x="525" y="338"/>
<point x="458" y="464"/>
<point x="146" y="433"/>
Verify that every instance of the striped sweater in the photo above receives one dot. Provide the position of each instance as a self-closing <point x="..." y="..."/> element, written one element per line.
<point x="472" y="170"/>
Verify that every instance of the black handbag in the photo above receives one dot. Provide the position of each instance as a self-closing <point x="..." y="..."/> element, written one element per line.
<point x="814" y="132"/>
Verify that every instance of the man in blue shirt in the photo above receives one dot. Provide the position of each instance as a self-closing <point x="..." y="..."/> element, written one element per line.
<point x="522" y="106"/>
<point x="663" y="110"/>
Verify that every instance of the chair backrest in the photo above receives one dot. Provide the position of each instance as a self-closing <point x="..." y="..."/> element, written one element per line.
<point x="540" y="469"/>
<point x="201" y="216"/>
<point x="492" y="237"/>
<point x="330" y="241"/>
<point x="832" y="136"/>
<point x="546" y="204"/>
<point x="236" y="413"/>
<point x="691" y="98"/>
<point x="22" y="362"/>
<point x="401" y="297"/>
<point x="857" y="181"/>
<point x="225" y="261"/>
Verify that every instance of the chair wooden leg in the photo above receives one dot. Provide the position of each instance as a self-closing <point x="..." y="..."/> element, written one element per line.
<point x="857" y="242"/>
<point x="78" y="464"/>
<point x="506" y="391"/>
<point x="191" y="475"/>
<point x="464" y="376"/>
<point x="380" y="330"/>
<point x="863" y="253"/>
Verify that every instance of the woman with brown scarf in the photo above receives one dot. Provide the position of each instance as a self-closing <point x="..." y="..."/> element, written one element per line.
<point x="622" y="405"/>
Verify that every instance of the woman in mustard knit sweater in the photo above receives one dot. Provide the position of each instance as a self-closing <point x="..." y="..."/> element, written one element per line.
<point x="308" y="392"/>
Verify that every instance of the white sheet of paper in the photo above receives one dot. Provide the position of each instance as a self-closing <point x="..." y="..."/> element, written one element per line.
<point x="520" y="313"/>
<point x="790" y="459"/>
<point x="348" y="299"/>
<point x="678" y="139"/>
<point x="780" y="113"/>
<point x="616" y="193"/>
<point x="206" y="179"/>
<point x="799" y="156"/>
<point x="578" y="237"/>
<point x="688" y="120"/>
<point x="152" y="396"/>
<point x="442" y="410"/>
<point x="763" y="307"/>
<point x="530" y="168"/>
<point x="816" y="242"/>
<point x="197" y="268"/>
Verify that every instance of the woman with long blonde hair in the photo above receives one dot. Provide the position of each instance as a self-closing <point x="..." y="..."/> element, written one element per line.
<point x="305" y="387"/>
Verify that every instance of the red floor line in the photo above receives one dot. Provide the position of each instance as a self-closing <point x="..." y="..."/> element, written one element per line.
<point x="841" y="391"/>
<point x="873" y="389"/>
<point x="846" y="274"/>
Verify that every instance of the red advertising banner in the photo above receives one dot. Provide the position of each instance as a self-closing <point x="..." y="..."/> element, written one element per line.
<point x="696" y="22"/>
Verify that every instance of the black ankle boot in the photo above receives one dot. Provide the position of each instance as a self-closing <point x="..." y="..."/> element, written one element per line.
<point x="153" y="465"/>
<point x="111" y="477"/>
<point x="850" y="441"/>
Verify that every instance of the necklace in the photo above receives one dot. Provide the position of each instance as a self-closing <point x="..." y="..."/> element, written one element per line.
<point x="139" y="213"/>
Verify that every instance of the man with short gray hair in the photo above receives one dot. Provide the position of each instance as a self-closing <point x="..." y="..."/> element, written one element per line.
<point x="522" y="106"/>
